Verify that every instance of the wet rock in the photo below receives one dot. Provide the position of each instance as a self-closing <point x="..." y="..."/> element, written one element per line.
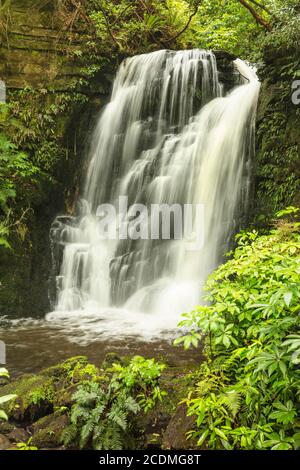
<point x="152" y="426"/>
<point x="18" y="435"/>
<point x="175" y="435"/>
<point x="34" y="397"/>
<point x="47" y="431"/>
<point x="6" y="428"/>
<point x="4" y="442"/>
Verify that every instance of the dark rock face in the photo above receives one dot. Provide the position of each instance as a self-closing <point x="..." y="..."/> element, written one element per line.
<point x="47" y="431"/>
<point x="35" y="54"/>
<point x="174" y="436"/>
<point x="277" y="168"/>
<point x="18" y="435"/>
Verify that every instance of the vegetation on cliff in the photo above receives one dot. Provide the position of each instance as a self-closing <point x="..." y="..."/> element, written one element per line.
<point x="85" y="37"/>
<point x="78" y="405"/>
<point x="247" y="394"/>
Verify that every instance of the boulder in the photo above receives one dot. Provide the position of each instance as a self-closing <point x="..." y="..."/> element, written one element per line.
<point x="47" y="431"/>
<point x="175" y="435"/>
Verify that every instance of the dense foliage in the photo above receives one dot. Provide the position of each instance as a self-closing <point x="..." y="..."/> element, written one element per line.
<point x="100" y="416"/>
<point x="18" y="178"/>
<point x="247" y="396"/>
<point x="114" y="29"/>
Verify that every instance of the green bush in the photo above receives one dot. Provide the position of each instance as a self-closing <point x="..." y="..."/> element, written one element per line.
<point x="18" y="178"/>
<point x="247" y="395"/>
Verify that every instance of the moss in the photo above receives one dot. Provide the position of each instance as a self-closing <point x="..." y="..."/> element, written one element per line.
<point x="6" y="427"/>
<point x="67" y="376"/>
<point x="37" y="395"/>
<point x="277" y="176"/>
<point x="34" y="397"/>
<point x="48" y="88"/>
<point x="47" y="431"/>
<point x="84" y="372"/>
<point x="113" y="358"/>
<point x="63" y="398"/>
<point x="63" y="370"/>
<point x="44" y="401"/>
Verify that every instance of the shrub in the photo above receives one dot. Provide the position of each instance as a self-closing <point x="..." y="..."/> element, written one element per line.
<point x="247" y="396"/>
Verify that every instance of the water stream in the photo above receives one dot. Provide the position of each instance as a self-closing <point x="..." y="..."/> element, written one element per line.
<point x="170" y="135"/>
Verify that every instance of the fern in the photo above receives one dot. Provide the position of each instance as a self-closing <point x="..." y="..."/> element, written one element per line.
<point x="86" y="433"/>
<point x="112" y="438"/>
<point x="79" y="413"/>
<point x="69" y="434"/>
<point x="132" y="405"/>
<point x="118" y="416"/>
<point x="100" y="416"/>
<point x="232" y="401"/>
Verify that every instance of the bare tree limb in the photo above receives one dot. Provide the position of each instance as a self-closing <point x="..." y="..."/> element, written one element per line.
<point x="107" y="23"/>
<point x="261" y="6"/>
<point x="194" y="13"/>
<point x="256" y="15"/>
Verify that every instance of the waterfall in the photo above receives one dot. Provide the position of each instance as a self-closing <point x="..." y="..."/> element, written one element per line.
<point x="171" y="135"/>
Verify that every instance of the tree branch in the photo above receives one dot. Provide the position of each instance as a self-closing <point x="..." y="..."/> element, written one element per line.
<point x="255" y="15"/>
<point x="186" y="26"/>
<point x="260" y="5"/>
<point x="109" y="30"/>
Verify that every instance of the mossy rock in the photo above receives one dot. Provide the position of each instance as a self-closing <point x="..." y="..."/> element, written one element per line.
<point x="4" y="442"/>
<point x="34" y="397"/>
<point x="64" y="369"/>
<point x="47" y="431"/>
<point x="39" y="395"/>
<point x="110" y="359"/>
<point x="151" y="427"/>
<point x="5" y="427"/>
<point x="64" y="397"/>
<point x="18" y="435"/>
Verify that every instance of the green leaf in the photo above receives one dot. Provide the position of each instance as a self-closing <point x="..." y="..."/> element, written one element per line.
<point x="3" y="415"/>
<point x="6" y="398"/>
<point x="221" y="434"/>
<point x="282" y="446"/>
<point x="203" y="437"/>
<point x="4" y="372"/>
<point x="288" y="298"/>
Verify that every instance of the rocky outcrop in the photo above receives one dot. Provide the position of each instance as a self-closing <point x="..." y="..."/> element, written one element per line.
<point x="40" y="412"/>
<point x="47" y="72"/>
<point x="277" y="163"/>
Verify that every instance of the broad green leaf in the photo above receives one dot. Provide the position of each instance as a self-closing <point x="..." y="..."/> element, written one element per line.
<point x="6" y="398"/>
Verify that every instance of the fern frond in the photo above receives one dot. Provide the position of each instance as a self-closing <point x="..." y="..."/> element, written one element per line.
<point x="69" y="434"/>
<point x="232" y="401"/>
<point x="79" y="413"/>
<point x="118" y="416"/>
<point x="112" y="438"/>
<point x="131" y="405"/>
<point x="86" y="433"/>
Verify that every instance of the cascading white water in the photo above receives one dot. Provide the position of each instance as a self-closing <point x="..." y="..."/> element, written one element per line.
<point x="168" y="135"/>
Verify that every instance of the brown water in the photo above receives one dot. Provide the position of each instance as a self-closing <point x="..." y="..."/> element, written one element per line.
<point x="36" y="345"/>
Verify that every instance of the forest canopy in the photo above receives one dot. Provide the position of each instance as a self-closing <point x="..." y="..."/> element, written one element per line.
<point x="116" y="29"/>
<point x="237" y="26"/>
